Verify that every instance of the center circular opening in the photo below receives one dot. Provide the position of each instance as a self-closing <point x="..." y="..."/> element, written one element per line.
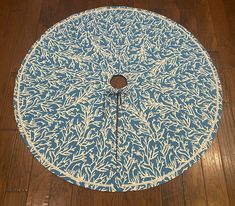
<point x="118" y="81"/>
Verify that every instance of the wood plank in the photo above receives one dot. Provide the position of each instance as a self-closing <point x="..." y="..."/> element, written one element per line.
<point x="122" y="2"/>
<point x="60" y="192"/>
<point x="27" y="35"/>
<point x="7" y="119"/>
<point x="7" y="44"/>
<point x="225" y="42"/>
<point x="20" y="167"/>
<point x="14" y="35"/>
<point x="189" y="21"/>
<point x="195" y="16"/>
<point x="4" y="14"/>
<point x="82" y="196"/>
<point x="17" y="5"/>
<point x="67" y="8"/>
<point x="194" y="186"/>
<point x="172" y="10"/>
<point x="23" y="25"/>
<point x="91" y="4"/>
<point x="168" y="9"/>
<point x="114" y="199"/>
<point x="150" y="197"/>
<point x="214" y="178"/>
<point x="188" y="16"/>
<point x="4" y="5"/>
<point x="230" y="82"/>
<point x="229" y="168"/>
<point x="48" y="13"/>
<point x="226" y="131"/>
<point x="225" y="89"/>
<point x="39" y="186"/>
<point x="206" y="33"/>
<point x="229" y="6"/>
<point x="7" y="141"/>
<point x="222" y="32"/>
<point x="15" y="198"/>
<point x="141" y="4"/>
<point x="226" y="137"/>
<point x="173" y="192"/>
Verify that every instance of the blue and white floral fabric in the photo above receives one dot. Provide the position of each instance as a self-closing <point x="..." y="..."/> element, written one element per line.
<point x="66" y="108"/>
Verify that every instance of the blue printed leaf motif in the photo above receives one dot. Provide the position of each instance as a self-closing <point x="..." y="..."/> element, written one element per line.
<point x="65" y="106"/>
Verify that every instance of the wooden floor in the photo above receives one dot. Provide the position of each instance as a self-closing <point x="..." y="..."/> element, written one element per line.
<point x="23" y="181"/>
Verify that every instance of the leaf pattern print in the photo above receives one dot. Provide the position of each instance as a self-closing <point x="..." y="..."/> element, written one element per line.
<point x="65" y="106"/>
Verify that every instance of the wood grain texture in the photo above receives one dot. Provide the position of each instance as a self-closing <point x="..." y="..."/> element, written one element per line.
<point x="138" y="198"/>
<point x="206" y="33"/>
<point x="60" y="192"/>
<point x="107" y="198"/>
<point x="82" y="196"/>
<point x="122" y="2"/>
<point x="4" y="15"/>
<point x="230" y="10"/>
<point x="48" y="14"/>
<point x="19" y="39"/>
<point x="27" y="34"/>
<point x="15" y="199"/>
<point x="169" y="9"/>
<point x="20" y="167"/>
<point x="225" y="42"/>
<point x="146" y="197"/>
<point x="188" y="16"/>
<point x="141" y="4"/>
<point x="226" y="132"/>
<point x="226" y="138"/>
<point x="173" y="192"/>
<point x="215" y="183"/>
<point x="40" y="183"/>
<point x="7" y="142"/>
<point x="211" y="181"/>
<point x="7" y="41"/>
<point x="91" y="4"/>
<point x="217" y="62"/>
<point x="66" y="9"/>
<point x="7" y="120"/>
<point x="194" y="187"/>
<point x="188" y="19"/>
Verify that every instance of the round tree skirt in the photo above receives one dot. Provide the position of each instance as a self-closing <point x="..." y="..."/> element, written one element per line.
<point x="117" y="99"/>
